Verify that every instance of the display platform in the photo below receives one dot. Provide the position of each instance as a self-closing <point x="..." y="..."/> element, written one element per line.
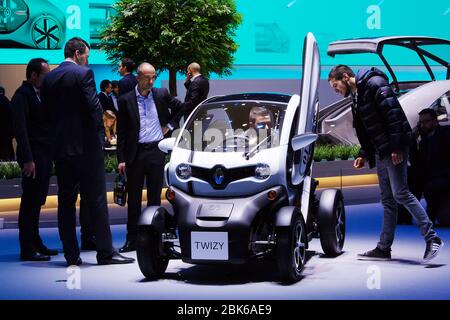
<point x="344" y="277"/>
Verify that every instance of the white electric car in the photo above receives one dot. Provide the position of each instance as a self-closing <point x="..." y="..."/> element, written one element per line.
<point x="243" y="190"/>
<point x="336" y="121"/>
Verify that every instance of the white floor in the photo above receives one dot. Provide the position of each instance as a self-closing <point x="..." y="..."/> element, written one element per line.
<point x="406" y="277"/>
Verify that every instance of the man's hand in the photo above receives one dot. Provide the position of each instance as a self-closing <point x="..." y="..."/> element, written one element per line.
<point x="121" y="168"/>
<point x="188" y="76"/>
<point x="397" y="157"/>
<point x="359" y="162"/>
<point x="165" y="129"/>
<point x="29" y="169"/>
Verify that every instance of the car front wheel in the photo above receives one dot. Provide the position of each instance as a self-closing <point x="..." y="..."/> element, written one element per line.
<point x="291" y="249"/>
<point x="150" y="255"/>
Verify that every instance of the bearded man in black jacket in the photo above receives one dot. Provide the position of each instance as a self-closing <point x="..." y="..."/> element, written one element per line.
<point x="384" y="134"/>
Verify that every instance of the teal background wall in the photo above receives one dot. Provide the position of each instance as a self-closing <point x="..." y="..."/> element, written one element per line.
<point x="272" y="30"/>
<point x="271" y="35"/>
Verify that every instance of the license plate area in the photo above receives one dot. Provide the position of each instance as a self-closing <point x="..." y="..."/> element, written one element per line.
<point x="209" y="245"/>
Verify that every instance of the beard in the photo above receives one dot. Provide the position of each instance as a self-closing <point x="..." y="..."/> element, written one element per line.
<point x="348" y="89"/>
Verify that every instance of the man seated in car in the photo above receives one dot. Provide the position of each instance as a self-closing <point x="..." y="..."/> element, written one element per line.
<point x="260" y="126"/>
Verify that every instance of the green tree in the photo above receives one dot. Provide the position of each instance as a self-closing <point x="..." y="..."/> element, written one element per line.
<point x="170" y="34"/>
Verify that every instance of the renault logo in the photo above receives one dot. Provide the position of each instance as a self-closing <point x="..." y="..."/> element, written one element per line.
<point x="219" y="176"/>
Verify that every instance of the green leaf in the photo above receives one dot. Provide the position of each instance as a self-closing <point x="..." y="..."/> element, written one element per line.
<point x="171" y="35"/>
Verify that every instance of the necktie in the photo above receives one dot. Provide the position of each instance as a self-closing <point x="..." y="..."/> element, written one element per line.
<point x="38" y="94"/>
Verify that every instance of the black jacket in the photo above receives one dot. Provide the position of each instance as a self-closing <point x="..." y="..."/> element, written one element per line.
<point x="6" y="129"/>
<point x="106" y="102"/>
<point x="128" y="121"/>
<point x="30" y="125"/>
<point x="433" y="156"/>
<point x="73" y="110"/>
<point x="197" y="91"/>
<point x="380" y="123"/>
<point x="127" y="84"/>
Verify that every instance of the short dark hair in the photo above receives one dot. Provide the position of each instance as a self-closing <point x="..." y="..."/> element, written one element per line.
<point x="128" y="64"/>
<point x="338" y="71"/>
<point x="115" y="83"/>
<point x="73" y="45"/>
<point x="430" y="112"/>
<point x="104" y="84"/>
<point x="35" y="65"/>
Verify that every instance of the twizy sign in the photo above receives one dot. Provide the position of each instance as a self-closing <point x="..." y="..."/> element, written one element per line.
<point x="209" y="245"/>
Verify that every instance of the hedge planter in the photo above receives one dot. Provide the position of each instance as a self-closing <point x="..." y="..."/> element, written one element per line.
<point x="11" y="170"/>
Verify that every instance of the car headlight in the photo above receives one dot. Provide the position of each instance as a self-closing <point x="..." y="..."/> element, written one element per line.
<point x="262" y="171"/>
<point x="184" y="171"/>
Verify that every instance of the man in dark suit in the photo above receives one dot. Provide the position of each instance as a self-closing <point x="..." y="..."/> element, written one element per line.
<point x="433" y="162"/>
<point x="144" y="120"/>
<point x="115" y="96"/>
<point x="77" y="135"/>
<point x="104" y="96"/>
<point x="6" y="130"/>
<point x="33" y="156"/>
<point x="128" y="82"/>
<point x="197" y="87"/>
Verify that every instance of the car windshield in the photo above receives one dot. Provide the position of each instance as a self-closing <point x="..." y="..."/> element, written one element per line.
<point x="234" y="126"/>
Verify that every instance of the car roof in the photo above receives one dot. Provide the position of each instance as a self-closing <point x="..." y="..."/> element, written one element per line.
<point x="252" y="96"/>
<point x="422" y="97"/>
<point x="376" y="45"/>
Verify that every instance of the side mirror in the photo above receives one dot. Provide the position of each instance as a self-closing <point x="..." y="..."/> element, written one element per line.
<point x="303" y="140"/>
<point x="167" y="144"/>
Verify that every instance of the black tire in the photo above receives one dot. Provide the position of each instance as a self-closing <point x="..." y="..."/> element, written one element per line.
<point x="148" y="251"/>
<point x="291" y="249"/>
<point x="331" y="222"/>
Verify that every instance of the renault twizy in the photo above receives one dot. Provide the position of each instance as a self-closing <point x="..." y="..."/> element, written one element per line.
<point x="239" y="181"/>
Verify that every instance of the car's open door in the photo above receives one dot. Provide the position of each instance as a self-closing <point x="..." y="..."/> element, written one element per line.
<point x="308" y="109"/>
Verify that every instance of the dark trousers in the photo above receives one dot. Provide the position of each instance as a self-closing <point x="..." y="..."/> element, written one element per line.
<point x="34" y="194"/>
<point x="148" y="165"/>
<point x="86" y="174"/>
<point x="87" y="234"/>
<point x="436" y="193"/>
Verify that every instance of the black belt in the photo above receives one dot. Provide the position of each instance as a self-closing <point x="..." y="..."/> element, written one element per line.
<point x="148" y="145"/>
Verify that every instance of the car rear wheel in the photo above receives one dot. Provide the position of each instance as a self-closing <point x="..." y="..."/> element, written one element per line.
<point x="291" y="249"/>
<point x="150" y="255"/>
<point x="331" y="222"/>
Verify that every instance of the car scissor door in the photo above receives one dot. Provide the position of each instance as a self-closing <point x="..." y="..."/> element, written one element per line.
<point x="306" y="121"/>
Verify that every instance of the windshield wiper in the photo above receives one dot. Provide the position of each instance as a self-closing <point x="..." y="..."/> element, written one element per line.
<point x="254" y="150"/>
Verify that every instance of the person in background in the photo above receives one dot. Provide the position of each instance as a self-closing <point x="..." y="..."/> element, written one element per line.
<point x="115" y="96"/>
<point x="6" y="129"/>
<point x="34" y="158"/>
<point x="197" y="87"/>
<point x="128" y="81"/>
<point x="104" y="96"/>
<point x="109" y="121"/>
<point x="433" y="161"/>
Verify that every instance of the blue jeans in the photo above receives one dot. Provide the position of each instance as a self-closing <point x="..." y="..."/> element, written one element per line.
<point x="394" y="189"/>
